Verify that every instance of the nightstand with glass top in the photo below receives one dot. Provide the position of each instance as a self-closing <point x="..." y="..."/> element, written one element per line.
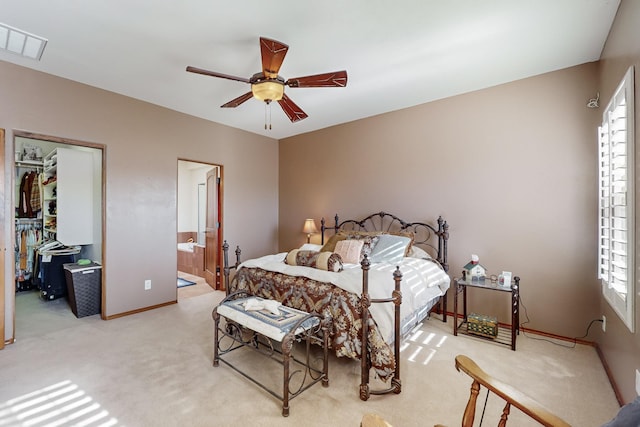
<point x="505" y="335"/>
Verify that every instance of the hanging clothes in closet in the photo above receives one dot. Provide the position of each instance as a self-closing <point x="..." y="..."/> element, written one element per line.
<point x="30" y="202"/>
<point x="28" y="236"/>
<point x="28" y="221"/>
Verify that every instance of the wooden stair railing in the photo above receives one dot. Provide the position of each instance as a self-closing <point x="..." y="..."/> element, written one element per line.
<point x="509" y="394"/>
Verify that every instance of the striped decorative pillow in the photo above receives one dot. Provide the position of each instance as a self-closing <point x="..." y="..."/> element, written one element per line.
<point x="321" y="260"/>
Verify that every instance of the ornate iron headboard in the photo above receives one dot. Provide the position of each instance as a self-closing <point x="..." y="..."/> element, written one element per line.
<point x="425" y="235"/>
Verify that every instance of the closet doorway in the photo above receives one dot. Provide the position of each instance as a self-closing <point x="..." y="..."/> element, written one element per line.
<point x="58" y="199"/>
<point x="199" y="222"/>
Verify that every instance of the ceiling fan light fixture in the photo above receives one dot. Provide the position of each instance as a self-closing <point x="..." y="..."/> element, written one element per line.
<point x="268" y="86"/>
<point x="268" y="90"/>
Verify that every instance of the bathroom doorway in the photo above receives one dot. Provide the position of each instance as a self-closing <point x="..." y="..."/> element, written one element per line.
<point x="198" y="228"/>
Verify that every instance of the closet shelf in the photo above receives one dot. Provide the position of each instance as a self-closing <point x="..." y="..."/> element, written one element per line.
<point x="29" y="163"/>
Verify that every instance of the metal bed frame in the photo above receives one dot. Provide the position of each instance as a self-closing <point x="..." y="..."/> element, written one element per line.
<point x="434" y="239"/>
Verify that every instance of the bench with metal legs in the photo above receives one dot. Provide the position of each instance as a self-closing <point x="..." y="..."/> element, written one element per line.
<point x="259" y="330"/>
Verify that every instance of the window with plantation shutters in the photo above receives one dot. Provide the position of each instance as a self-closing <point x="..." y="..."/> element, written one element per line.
<point x="616" y="202"/>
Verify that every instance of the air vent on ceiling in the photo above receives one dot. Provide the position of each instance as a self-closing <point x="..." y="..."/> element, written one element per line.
<point x="21" y="43"/>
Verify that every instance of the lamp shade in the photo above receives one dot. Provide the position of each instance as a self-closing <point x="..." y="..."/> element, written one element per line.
<point x="309" y="226"/>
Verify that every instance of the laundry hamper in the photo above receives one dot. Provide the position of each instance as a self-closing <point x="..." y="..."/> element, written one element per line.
<point x="84" y="288"/>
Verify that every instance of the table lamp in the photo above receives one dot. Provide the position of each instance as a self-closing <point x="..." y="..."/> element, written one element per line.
<point x="309" y="228"/>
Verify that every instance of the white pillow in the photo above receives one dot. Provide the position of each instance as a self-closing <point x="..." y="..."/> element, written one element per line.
<point x="390" y="248"/>
<point x="416" y="252"/>
<point x="311" y="247"/>
<point x="349" y="250"/>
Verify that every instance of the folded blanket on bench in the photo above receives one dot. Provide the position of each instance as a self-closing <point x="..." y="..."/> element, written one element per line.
<point x="257" y="304"/>
<point x="274" y="326"/>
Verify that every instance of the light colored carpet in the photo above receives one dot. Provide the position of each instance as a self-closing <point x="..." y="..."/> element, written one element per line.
<point x="154" y="369"/>
<point x="200" y="287"/>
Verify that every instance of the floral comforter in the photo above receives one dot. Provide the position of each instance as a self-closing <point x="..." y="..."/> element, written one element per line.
<point x="312" y="290"/>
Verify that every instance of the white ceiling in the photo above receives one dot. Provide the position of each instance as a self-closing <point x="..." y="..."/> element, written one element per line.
<point x="397" y="53"/>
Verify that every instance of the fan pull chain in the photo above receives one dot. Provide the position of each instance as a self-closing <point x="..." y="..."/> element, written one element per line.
<point x="267" y="105"/>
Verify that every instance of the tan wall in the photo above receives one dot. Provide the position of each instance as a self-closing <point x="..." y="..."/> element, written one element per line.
<point x="512" y="169"/>
<point x="620" y="347"/>
<point x="143" y="143"/>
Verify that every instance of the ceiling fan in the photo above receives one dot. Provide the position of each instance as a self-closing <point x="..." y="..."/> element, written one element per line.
<point x="268" y="86"/>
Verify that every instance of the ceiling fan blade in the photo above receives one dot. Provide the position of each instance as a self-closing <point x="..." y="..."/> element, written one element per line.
<point x="273" y="53"/>
<point x="334" y="79"/>
<point x="214" y="74"/>
<point x="239" y="100"/>
<point x="292" y="111"/>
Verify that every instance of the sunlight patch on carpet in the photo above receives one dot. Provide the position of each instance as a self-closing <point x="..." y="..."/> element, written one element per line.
<point x="421" y="346"/>
<point x="59" y="404"/>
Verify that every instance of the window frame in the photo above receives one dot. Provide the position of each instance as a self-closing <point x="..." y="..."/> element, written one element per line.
<point x="611" y="250"/>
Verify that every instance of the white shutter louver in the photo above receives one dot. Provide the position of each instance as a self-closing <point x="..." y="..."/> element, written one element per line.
<point x="616" y="213"/>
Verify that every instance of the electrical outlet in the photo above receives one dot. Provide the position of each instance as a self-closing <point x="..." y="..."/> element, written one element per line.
<point x="604" y="323"/>
<point x="147" y="285"/>
<point x="637" y="382"/>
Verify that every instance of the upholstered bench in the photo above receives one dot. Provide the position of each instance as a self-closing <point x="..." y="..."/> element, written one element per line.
<point x="256" y="323"/>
